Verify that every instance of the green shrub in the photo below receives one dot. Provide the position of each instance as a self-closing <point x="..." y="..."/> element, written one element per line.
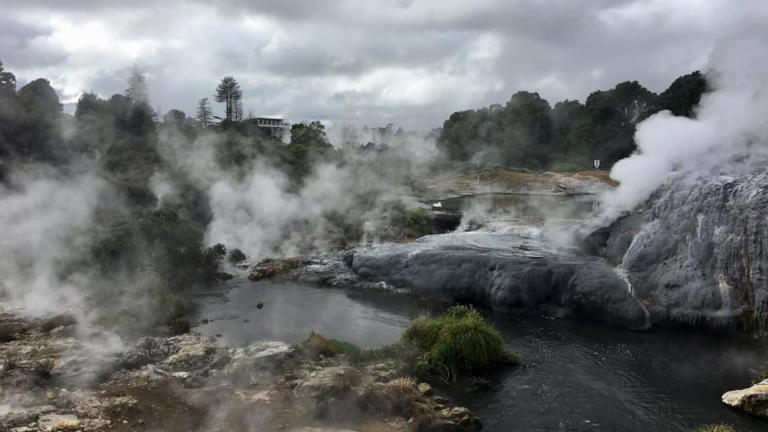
<point x="423" y="332"/>
<point x="716" y="428"/>
<point x="58" y="321"/>
<point x="236" y="256"/>
<point x="45" y="367"/>
<point x="417" y="222"/>
<point x="458" y="341"/>
<point x="7" y="333"/>
<point x="317" y="345"/>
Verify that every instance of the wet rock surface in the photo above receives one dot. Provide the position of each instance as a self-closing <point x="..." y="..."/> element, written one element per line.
<point x="188" y="382"/>
<point x="506" y="272"/>
<point x="695" y="251"/>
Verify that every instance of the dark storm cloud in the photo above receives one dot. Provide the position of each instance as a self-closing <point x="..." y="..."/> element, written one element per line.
<point x="409" y="61"/>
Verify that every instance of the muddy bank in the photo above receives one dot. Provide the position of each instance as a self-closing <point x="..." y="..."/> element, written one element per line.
<point x="520" y="182"/>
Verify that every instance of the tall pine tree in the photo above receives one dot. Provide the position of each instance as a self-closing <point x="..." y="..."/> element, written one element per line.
<point x="228" y="92"/>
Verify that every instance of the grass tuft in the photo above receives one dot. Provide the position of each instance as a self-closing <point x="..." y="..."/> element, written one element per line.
<point x="58" y="321"/>
<point x="458" y="341"/>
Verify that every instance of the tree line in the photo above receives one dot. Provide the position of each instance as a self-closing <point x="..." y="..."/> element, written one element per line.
<point x="527" y="132"/>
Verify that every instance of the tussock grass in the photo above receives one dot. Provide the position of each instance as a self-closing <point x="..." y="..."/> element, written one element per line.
<point x="458" y="341"/>
<point x="58" y="321"/>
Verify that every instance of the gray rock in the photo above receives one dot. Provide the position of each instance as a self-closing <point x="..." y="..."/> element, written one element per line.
<point x="695" y="252"/>
<point x="503" y="271"/>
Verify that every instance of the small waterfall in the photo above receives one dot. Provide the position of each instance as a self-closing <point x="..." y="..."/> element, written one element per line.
<point x="624" y="275"/>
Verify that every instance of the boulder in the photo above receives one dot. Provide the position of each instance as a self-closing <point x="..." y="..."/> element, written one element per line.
<point x="753" y="400"/>
<point x="192" y="353"/>
<point x="257" y="360"/>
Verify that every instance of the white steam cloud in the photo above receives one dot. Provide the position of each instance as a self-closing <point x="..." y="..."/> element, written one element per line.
<point x="38" y="225"/>
<point x="731" y="118"/>
<point x="261" y="215"/>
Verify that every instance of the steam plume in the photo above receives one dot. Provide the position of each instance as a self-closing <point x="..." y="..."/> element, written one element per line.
<point x="732" y="118"/>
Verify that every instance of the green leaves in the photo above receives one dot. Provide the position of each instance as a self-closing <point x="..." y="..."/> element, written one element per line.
<point x="526" y="133"/>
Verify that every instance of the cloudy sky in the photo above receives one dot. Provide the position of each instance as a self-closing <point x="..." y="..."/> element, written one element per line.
<point x="411" y="62"/>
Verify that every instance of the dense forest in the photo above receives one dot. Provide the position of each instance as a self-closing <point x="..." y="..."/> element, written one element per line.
<point x="527" y="132"/>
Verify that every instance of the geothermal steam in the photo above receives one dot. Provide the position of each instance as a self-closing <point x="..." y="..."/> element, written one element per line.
<point x="732" y="118"/>
<point x="38" y="225"/>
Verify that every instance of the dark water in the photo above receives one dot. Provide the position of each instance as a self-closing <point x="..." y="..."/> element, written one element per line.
<point x="575" y="376"/>
<point x="291" y="311"/>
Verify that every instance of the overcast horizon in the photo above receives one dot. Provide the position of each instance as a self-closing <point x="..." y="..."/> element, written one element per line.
<point x="410" y="62"/>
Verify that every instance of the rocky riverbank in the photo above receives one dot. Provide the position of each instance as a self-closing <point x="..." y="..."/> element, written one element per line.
<point x="57" y="379"/>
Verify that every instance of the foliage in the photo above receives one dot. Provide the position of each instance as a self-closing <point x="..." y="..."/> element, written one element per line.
<point x="29" y="122"/>
<point x="228" y="91"/>
<point x="162" y="240"/>
<point x="458" y="341"/>
<point x="308" y="146"/>
<point x="317" y="345"/>
<point x="44" y="368"/>
<point x="62" y="320"/>
<point x="204" y="114"/>
<point x="7" y="82"/>
<point x="7" y="333"/>
<point x="137" y="88"/>
<point x="417" y="222"/>
<point x="684" y="94"/>
<point x="236" y="256"/>
<point x="526" y="133"/>
<point x="175" y="117"/>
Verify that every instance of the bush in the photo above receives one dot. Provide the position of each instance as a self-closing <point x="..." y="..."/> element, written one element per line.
<point x="417" y="222"/>
<point x="236" y="255"/>
<point x="58" y="321"/>
<point x="7" y="333"/>
<point x="458" y="341"/>
<point x="716" y="428"/>
<point x="45" y="367"/>
<point x="317" y="345"/>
